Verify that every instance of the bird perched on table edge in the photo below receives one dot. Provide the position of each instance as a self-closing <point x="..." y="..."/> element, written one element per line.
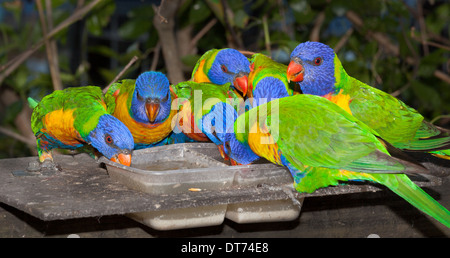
<point x="322" y="145"/>
<point x="75" y="117"/>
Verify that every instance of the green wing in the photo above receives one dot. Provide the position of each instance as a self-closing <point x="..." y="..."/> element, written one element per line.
<point x="87" y="103"/>
<point x="396" y="122"/>
<point x="391" y="118"/>
<point x="312" y="131"/>
<point x="110" y="98"/>
<point x="324" y="135"/>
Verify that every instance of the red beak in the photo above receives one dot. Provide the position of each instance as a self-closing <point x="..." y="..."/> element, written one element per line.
<point x="295" y="72"/>
<point x="124" y="159"/>
<point x="152" y="111"/>
<point x="234" y="162"/>
<point x="241" y="84"/>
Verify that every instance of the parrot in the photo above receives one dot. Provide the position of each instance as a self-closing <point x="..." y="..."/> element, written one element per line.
<point x="221" y="66"/>
<point x="318" y="71"/>
<point x="144" y="106"/>
<point x="76" y="117"/>
<point x="322" y="145"/>
<point x="265" y="71"/>
<point x="222" y="117"/>
<point x="197" y="100"/>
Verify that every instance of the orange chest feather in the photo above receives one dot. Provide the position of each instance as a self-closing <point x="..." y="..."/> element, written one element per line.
<point x="59" y="124"/>
<point x="263" y="143"/>
<point x="187" y="125"/>
<point x="144" y="133"/>
<point x="340" y="99"/>
<point x="200" y="75"/>
<point x="251" y="79"/>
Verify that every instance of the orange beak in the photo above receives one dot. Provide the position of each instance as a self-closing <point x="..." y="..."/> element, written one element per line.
<point x="124" y="159"/>
<point x="234" y="162"/>
<point x="295" y="72"/>
<point x="222" y="152"/>
<point x="241" y="84"/>
<point x="152" y="111"/>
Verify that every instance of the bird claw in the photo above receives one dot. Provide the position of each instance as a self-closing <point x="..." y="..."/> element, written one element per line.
<point x="48" y="165"/>
<point x="44" y="168"/>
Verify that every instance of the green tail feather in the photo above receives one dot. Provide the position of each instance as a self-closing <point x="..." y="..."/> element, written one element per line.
<point x="32" y="102"/>
<point x="405" y="188"/>
<point x="443" y="154"/>
<point x="428" y="138"/>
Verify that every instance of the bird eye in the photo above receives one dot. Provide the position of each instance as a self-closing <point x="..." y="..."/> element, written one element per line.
<point x="227" y="145"/>
<point x="139" y="97"/>
<point x="318" y="61"/>
<point x="224" y="68"/>
<point x="166" y="97"/>
<point x="108" y="139"/>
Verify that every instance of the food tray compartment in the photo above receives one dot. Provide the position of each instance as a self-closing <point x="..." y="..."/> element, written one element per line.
<point x="178" y="168"/>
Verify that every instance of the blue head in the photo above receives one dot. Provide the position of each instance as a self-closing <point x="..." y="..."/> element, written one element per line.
<point x="230" y="66"/>
<point x="239" y="152"/>
<point x="151" y="98"/>
<point x="268" y="89"/>
<point x="113" y="139"/>
<point x="312" y="66"/>
<point x="218" y="125"/>
<point x="219" y="121"/>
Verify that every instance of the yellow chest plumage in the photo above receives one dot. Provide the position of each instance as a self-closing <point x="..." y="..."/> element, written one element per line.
<point x="59" y="124"/>
<point x="340" y="99"/>
<point x="200" y="75"/>
<point x="143" y="133"/>
<point x="262" y="143"/>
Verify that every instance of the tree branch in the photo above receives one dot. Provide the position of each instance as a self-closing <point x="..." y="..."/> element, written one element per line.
<point x="168" y="40"/>
<point x="201" y="33"/>
<point x="50" y="46"/>
<point x="132" y="61"/>
<point x="237" y="42"/>
<point x="155" y="59"/>
<point x="443" y="76"/>
<point x="315" y="32"/>
<point x="343" y="40"/>
<point x="12" y="134"/>
<point x="12" y="65"/>
<point x="381" y="38"/>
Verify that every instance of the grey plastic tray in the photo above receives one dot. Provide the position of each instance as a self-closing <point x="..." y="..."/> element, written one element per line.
<point x="180" y="168"/>
<point x="185" y="167"/>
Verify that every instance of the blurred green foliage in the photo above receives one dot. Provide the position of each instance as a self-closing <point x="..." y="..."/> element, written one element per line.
<point x="113" y="32"/>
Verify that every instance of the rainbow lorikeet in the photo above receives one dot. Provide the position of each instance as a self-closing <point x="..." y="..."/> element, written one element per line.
<point x="318" y="71"/>
<point x="322" y="145"/>
<point x="221" y="66"/>
<point x="272" y="75"/>
<point x="197" y="100"/>
<point x="221" y="120"/>
<point x="75" y="117"/>
<point x="144" y="106"/>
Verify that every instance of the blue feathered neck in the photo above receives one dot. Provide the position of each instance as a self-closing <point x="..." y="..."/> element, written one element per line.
<point x="268" y="89"/>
